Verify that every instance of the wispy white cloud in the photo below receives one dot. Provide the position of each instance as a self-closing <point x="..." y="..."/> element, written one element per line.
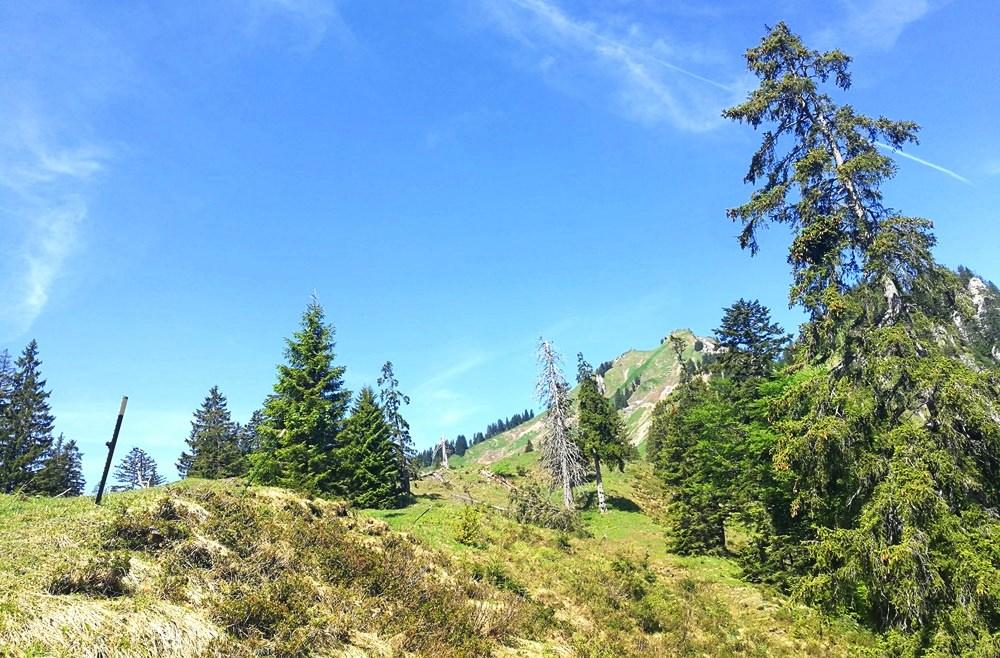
<point x="445" y="403"/>
<point x="435" y="384"/>
<point x="42" y="190"/>
<point x="648" y="78"/>
<point x="875" y="23"/>
<point x="54" y="75"/>
<point x="949" y="172"/>
<point x="453" y="127"/>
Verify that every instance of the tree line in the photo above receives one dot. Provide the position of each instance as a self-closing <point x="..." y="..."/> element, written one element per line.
<point x="32" y="460"/>
<point x="460" y="444"/>
<point x="312" y="434"/>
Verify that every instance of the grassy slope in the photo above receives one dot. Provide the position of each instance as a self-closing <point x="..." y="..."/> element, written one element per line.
<point x="217" y="569"/>
<point x="687" y="606"/>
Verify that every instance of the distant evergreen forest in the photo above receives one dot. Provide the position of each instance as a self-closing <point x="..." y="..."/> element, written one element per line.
<point x="460" y="444"/>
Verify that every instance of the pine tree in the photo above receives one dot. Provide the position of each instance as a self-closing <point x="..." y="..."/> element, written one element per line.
<point x="461" y="445"/>
<point x="602" y="433"/>
<point x="136" y="470"/>
<point x="752" y="343"/>
<point x="214" y="442"/>
<point x="306" y="412"/>
<point x="560" y="455"/>
<point x="826" y="187"/>
<point x="26" y="423"/>
<point x="6" y="420"/>
<point x="890" y="445"/>
<point x="61" y="473"/>
<point x="392" y="402"/>
<point x="368" y="458"/>
<point x="248" y="436"/>
<point x="695" y="431"/>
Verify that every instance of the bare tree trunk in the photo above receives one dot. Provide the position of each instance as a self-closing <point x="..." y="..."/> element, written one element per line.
<point x="444" y="452"/>
<point x="567" y="482"/>
<point x="601" y="504"/>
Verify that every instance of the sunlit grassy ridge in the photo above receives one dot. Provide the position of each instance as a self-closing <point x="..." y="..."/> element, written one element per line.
<point x="613" y="588"/>
<point x="219" y="569"/>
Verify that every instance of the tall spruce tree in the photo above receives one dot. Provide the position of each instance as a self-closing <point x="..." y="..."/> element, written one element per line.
<point x="601" y="431"/>
<point x="696" y="433"/>
<point x="214" y="442"/>
<point x="306" y="412"/>
<point x="392" y="402"/>
<point x="560" y="454"/>
<point x="891" y="443"/>
<point x="368" y="457"/>
<point x="752" y="343"/>
<point x="136" y="470"/>
<point x="61" y="473"/>
<point x="26" y="422"/>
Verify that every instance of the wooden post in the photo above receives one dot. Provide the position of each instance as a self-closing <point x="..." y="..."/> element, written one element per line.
<point x="111" y="450"/>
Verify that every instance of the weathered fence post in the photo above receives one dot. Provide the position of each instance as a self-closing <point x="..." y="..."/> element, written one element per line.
<point x="111" y="450"/>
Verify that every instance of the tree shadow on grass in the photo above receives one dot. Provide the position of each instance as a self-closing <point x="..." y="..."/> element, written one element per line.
<point x="618" y="503"/>
<point x="623" y="504"/>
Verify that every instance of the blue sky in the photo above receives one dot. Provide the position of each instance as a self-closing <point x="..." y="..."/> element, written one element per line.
<point x="451" y="178"/>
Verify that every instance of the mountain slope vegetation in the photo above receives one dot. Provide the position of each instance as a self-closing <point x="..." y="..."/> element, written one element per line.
<point x="221" y="569"/>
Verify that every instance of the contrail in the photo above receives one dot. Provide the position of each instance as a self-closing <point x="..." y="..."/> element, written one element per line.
<point x="547" y="10"/>
<point x="924" y="162"/>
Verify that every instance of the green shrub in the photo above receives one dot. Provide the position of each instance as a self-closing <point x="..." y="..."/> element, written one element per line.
<point x="495" y="574"/>
<point x="469" y="531"/>
<point x="102" y="576"/>
<point x="145" y="529"/>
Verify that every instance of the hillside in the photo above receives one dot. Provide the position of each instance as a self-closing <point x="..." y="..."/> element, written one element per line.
<point x="219" y="569"/>
<point x="657" y="372"/>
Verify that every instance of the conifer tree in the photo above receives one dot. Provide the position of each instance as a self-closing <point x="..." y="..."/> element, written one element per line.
<point x="136" y="470"/>
<point x="368" y="458"/>
<point x="26" y="422"/>
<point x="461" y="445"/>
<point x="306" y="412"/>
<point x="392" y="402"/>
<point x="601" y="431"/>
<point x="890" y="444"/>
<point x="61" y="473"/>
<point x="214" y="442"/>
<point x="560" y="455"/>
<point x="752" y="343"/>
<point x="248" y="436"/>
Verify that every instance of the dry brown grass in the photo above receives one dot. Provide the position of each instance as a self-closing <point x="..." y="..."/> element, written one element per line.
<point x="222" y="570"/>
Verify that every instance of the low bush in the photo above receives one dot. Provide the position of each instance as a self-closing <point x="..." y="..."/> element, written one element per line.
<point x="100" y="576"/>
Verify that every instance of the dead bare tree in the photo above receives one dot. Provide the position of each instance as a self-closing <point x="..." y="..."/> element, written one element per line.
<point x="560" y="455"/>
<point x="443" y="447"/>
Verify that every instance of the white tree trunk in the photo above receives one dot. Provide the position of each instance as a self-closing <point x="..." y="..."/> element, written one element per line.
<point x="601" y="503"/>
<point x="444" y="452"/>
